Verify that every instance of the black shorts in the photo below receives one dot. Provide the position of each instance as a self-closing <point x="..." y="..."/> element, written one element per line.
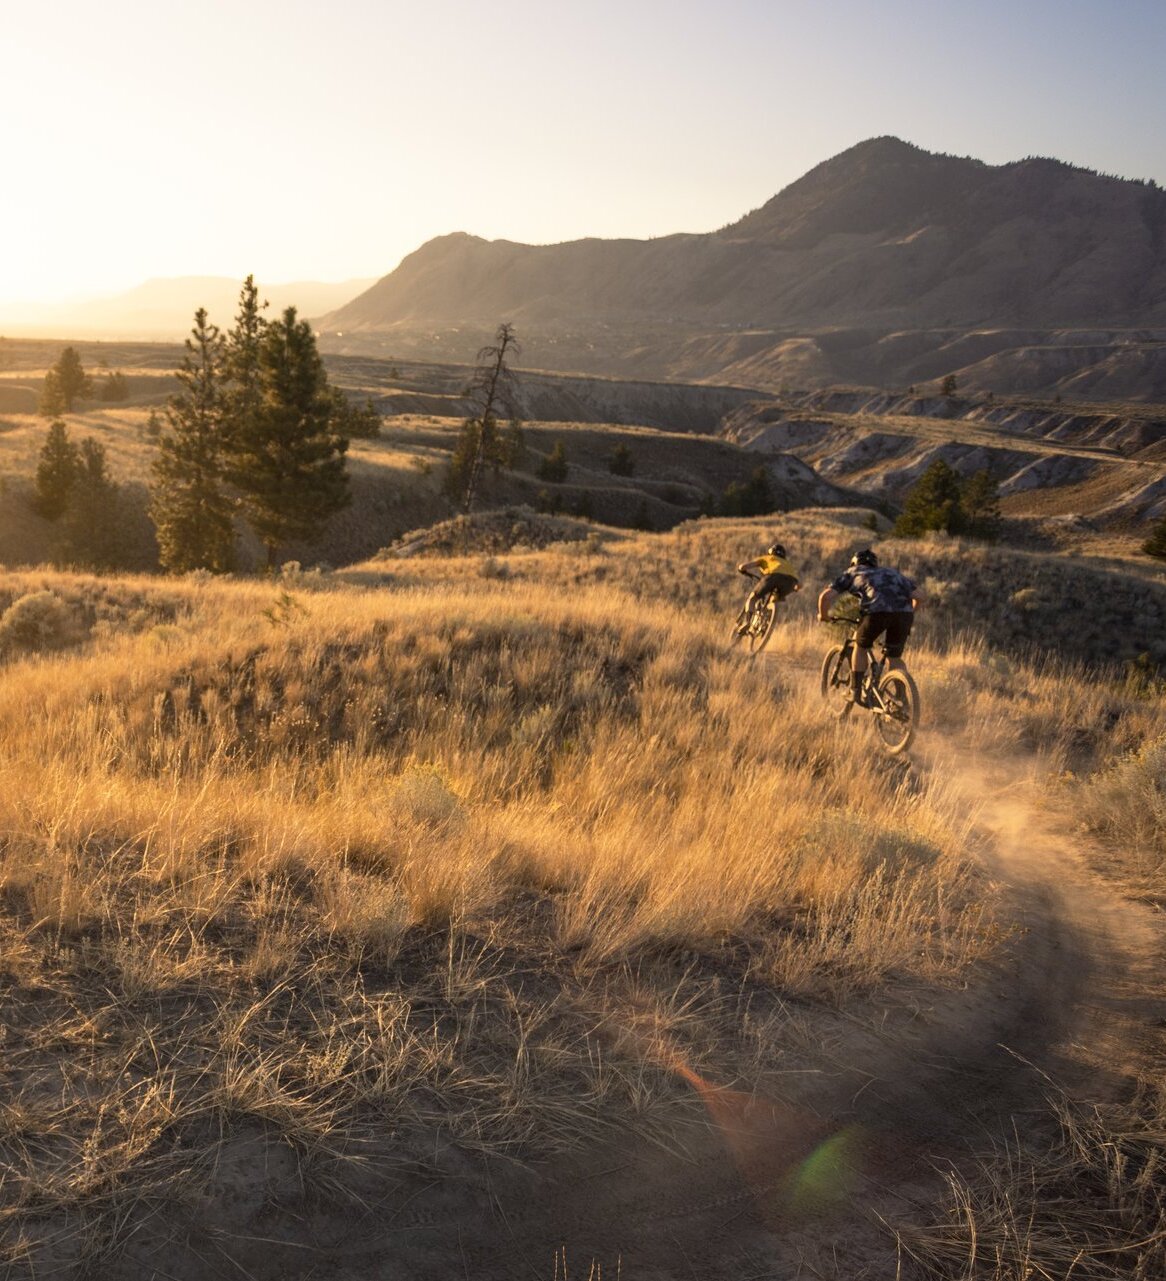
<point x="780" y="584"/>
<point x="897" y="627"/>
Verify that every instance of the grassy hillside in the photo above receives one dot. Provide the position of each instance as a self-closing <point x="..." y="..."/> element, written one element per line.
<point x="1012" y="600"/>
<point x="373" y="889"/>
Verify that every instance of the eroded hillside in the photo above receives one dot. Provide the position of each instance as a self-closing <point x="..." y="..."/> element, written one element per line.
<point x="1103" y="463"/>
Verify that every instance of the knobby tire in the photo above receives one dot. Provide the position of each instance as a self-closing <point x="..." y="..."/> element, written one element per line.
<point x="896" y="726"/>
<point x="836" y="681"/>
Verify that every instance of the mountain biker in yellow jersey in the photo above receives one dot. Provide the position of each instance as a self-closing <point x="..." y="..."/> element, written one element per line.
<point x="774" y="574"/>
<point x="887" y="602"/>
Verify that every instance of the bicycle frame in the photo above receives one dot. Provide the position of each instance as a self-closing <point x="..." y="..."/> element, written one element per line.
<point x="888" y="693"/>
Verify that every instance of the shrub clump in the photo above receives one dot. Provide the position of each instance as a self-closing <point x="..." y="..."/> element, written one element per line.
<point x="36" y="621"/>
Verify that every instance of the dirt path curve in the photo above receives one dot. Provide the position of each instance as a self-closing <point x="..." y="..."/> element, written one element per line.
<point x="1071" y="1000"/>
<point x="889" y="1097"/>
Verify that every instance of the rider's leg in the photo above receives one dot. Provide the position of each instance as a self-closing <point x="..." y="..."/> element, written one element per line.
<point x="765" y="584"/>
<point x="751" y="602"/>
<point x="898" y="629"/>
<point x="860" y="661"/>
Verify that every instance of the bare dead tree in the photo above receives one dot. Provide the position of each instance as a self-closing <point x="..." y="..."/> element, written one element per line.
<point x="493" y="391"/>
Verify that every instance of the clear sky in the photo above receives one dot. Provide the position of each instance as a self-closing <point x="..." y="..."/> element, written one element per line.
<point x="326" y="139"/>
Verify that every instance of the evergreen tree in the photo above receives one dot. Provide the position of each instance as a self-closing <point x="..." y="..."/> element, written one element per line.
<point x="354" y="421"/>
<point x="71" y="379"/>
<point x="554" y="466"/>
<point x="115" y="387"/>
<point x="753" y="498"/>
<point x="287" y="460"/>
<point x="1155" y="545"/>
<point x="621" y="462"/>
<point x="56" y="471"/>
<point x="948" y="386"/>
<point x="52" y="398"/>
<point x="933" y="503"/>
<point x="192" y="514"/>
<point x="980" y="503"/>
<point x="91" y="527"/>
<point x="244" y="400"/>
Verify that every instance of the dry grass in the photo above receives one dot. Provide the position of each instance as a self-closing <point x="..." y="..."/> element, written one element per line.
<point x="1125" y="807"/>
<point x="478" y="854"/>
<point x="485" y="862"/>
<point x="1090" y="1205"/>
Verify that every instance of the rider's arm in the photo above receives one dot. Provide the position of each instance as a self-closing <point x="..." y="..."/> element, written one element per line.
<point x="747" y="567"/>
<point x="825" y="600"/>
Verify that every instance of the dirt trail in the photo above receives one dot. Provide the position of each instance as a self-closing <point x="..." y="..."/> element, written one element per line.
<point x="794" y="1188"/>
<point x="790" y="1188"/>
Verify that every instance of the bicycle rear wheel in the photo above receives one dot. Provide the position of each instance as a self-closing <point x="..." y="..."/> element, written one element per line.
<point x="836" y="681"/>
<point x="898" y="718"/>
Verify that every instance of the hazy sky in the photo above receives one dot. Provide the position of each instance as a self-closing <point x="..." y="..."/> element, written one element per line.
<point x="322" y="141"/>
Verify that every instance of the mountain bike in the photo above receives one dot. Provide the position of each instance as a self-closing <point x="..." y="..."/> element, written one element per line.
<point x="890" y="695"/>
<point x="754" y="624"/>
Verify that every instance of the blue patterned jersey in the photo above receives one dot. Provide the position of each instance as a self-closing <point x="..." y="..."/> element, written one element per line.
<point x="880" y="590"/>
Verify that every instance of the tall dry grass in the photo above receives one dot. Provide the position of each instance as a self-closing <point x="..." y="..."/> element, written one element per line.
<point x="420" y="848"/>
<point x="1088" y="1203"/>
<point x="308" y="858"/>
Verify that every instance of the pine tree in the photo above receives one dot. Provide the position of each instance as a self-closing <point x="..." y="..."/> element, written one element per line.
<point x="91" y="528"/>
<point x="52" y="398"/>
<point x="622" y="461"/>
<point x="56" y="472"/>
<point x="980" y="503"/>
<point x="354" y="421"/>
<point x="191" y="511"/>
<point x="71" y="379"/>
<point x="1155" y="545"/>
<point x="287" y="460"/>
<point x="115" y="387"/>
<point x="753" y="498"/>
<point x="554" y="466"/>
<point x="244" y="398"/>
<point x="933" y="503"/>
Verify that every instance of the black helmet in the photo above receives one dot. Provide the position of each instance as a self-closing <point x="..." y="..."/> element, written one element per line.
<point x="865" y="559"/>
<point x="778" y="549"/>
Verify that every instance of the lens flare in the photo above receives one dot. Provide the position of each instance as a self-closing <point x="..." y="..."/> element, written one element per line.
<point x="795" y="1164"/>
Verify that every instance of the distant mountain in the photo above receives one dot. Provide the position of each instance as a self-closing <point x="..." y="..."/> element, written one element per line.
<point x="164" y="308"/>
<point x="885" y="237"/>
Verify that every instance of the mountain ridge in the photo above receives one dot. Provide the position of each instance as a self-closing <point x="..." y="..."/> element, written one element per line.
<point x="884" y="237"/>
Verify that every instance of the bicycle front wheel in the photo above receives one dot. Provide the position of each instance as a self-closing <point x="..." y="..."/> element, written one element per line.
<point x="741" y="627"/>
<point x="836" y="681"/>
<point x="898" y="718"/>
<point x="761" y="626"/>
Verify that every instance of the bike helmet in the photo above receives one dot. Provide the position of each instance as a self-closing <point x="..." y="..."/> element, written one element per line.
<point x="865" y="559"/>
<point x="778" y="549"/>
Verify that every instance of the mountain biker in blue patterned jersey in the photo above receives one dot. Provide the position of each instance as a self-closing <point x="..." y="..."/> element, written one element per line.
<point x="774" y="574"/>
<point x="887" y="602"/>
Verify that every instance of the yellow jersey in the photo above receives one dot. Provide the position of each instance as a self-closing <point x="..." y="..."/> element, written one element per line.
<point x="775" y="565"/>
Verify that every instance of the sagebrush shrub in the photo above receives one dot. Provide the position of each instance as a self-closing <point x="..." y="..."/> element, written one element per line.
<point x="36" y="621"/>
